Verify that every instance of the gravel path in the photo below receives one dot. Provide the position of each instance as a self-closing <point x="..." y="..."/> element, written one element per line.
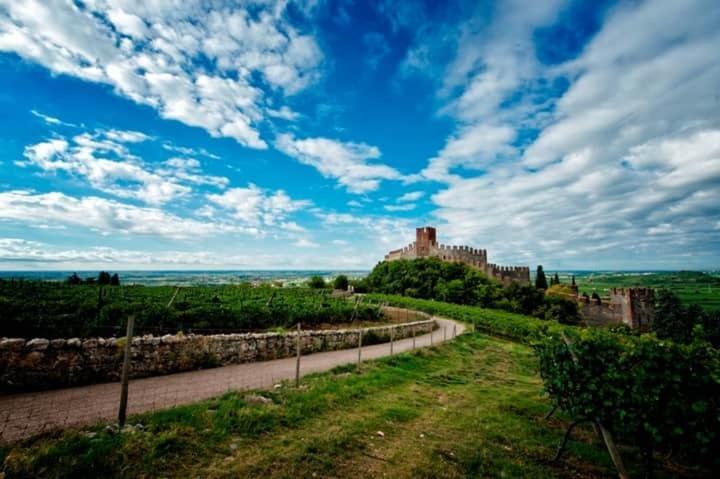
<point x="25" y="415"/>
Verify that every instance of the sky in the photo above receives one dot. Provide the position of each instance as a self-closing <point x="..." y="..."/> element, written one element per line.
<point x="181" y="134"/>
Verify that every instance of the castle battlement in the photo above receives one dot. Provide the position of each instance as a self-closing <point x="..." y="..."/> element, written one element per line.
<point x="633" y="307"/>
<point x="426" y="246"/>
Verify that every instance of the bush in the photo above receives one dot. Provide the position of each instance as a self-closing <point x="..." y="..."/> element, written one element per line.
<point x="341" y="282"/>
<point x="656" y="394"/>
<point x="317" y="282"/>
<point x="461" y="284"/>
<point x="672" y="320"/>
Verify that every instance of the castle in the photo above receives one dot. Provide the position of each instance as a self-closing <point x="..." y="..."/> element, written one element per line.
<point x="426" y="246"/>
<point x="633" y="307"/>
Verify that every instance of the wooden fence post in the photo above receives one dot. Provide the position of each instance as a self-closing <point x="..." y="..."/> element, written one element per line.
<point x="431" y="335"/>
<point x="122" y="413"/>
<point x="413" y="330"/>
<point x="359" y="347"/>
<point x="298" y="353"/>
<point x="444" y="333"/>
<point x="392" y="339"/>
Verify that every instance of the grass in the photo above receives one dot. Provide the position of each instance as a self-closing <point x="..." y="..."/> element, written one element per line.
<point x="470" y="408"/>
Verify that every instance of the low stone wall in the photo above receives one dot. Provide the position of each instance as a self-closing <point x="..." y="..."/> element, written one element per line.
<point x="43" y="364"/>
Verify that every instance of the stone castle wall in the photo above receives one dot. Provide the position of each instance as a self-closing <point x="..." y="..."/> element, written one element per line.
<point x="42" y="364"/>
<point x="426" y="246"/>
<point x="632" y="307"/>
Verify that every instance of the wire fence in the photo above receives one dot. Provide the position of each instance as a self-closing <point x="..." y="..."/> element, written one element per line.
<point x="27" y="414"/>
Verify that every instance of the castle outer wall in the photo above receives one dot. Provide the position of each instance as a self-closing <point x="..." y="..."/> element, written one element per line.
<point x="632" y="307"/>
<point x="426" y="246"/>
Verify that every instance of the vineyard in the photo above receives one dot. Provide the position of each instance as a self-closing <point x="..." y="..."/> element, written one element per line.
<point x="54" y="310"/>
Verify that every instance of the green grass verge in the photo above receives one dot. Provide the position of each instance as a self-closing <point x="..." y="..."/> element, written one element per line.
<point x="492" y="321"/>
<point x="470" y="408"/>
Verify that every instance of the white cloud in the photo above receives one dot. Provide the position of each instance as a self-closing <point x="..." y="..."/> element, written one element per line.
<point x="405" y="207"/>
<point x="256" y="207"/>
<point x="106" y="216"/>
<point x="346" y="162"/>
<point x="126" y="136"/>
<point x="50" y="120"/>
<point x="20" y="253"/>
<point x="150" y="52"/>
<point x="284" y="112"/>
<point x="631" y="147"/>
<point x="106" y="163"/>
<point x="306" y="243"/>
<point x="411" y="196"/>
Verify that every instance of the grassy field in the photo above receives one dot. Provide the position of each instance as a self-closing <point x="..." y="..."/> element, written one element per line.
<point x="471" y="408"/>
<point x="691" y="286"/>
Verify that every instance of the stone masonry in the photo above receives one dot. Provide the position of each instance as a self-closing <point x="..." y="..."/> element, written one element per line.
<point x="426" y="246"/>
<point x="42" y="363"/>
<point x="632" y="307"/>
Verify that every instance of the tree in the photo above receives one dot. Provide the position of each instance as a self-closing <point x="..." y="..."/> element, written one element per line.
<point x="556" y="279"/>
<point x="73" y="279"/>
<point x="115" y="280"/>
<point x="103" y="278"/>
<point x="540" y="279"/>
<point x="317" y="282"/>
<point x="341" y="282"/>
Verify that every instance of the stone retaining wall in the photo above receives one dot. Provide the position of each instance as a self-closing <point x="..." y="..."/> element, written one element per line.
<point x="43" y="364"/>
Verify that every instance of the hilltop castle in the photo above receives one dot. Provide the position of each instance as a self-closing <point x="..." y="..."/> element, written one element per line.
<point x="426" y="246"/>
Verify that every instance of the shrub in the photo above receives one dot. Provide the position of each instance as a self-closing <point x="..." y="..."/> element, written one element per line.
<point x="341" y="282"/>
<point x="656" y="394"/>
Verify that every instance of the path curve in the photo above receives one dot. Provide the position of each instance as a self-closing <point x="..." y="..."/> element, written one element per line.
<point x="28" y="414"/>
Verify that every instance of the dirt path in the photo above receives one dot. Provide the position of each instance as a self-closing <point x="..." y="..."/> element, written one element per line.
<point x="28" y="414"/>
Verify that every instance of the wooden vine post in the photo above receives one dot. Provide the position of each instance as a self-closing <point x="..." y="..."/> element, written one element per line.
<point x="297" y="354"/>
<point x="122" y="413"/>
<point x="605" y="435"/>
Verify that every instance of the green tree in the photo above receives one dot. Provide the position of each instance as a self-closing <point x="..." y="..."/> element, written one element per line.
<point x="74" y="279"/>
<point x="316" y="282"/>
<point x="540" y="279"/>
<point x="115" y="280"/>
<point x="341" y="282"/>
<point x="103" y="278"/>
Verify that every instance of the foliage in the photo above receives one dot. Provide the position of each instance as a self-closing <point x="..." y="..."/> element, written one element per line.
<point x="499" y="323"/>
<point x="673" y="320"/>
<point x="45" y="309"/>
<point x="461" y="284"/>
<point x="434" y="278"/>
<point x="540" y="279"/>
<point x="341" y="282"/>
<point x="657" y="394"/>
<point x="317" y="282"/>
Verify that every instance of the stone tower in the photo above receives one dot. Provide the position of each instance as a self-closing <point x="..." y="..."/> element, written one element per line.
<point x="425" y="238"/>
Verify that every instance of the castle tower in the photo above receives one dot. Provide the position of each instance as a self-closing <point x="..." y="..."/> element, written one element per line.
<point x="425" y="238"/>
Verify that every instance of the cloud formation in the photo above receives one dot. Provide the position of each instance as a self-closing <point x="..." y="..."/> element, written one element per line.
<point x="106" y="216"/>
<point x="215" y="68"/>
<point x="103" y="159"/>
<point x="347" y="162"/>
<point x="625" y="162"/>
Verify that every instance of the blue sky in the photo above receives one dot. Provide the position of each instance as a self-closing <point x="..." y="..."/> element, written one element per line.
<point x="181" y="134"/>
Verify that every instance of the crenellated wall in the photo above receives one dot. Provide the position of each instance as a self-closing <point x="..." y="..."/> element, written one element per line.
<point x="426" y="246"/>
<point x="632" y="307"/>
